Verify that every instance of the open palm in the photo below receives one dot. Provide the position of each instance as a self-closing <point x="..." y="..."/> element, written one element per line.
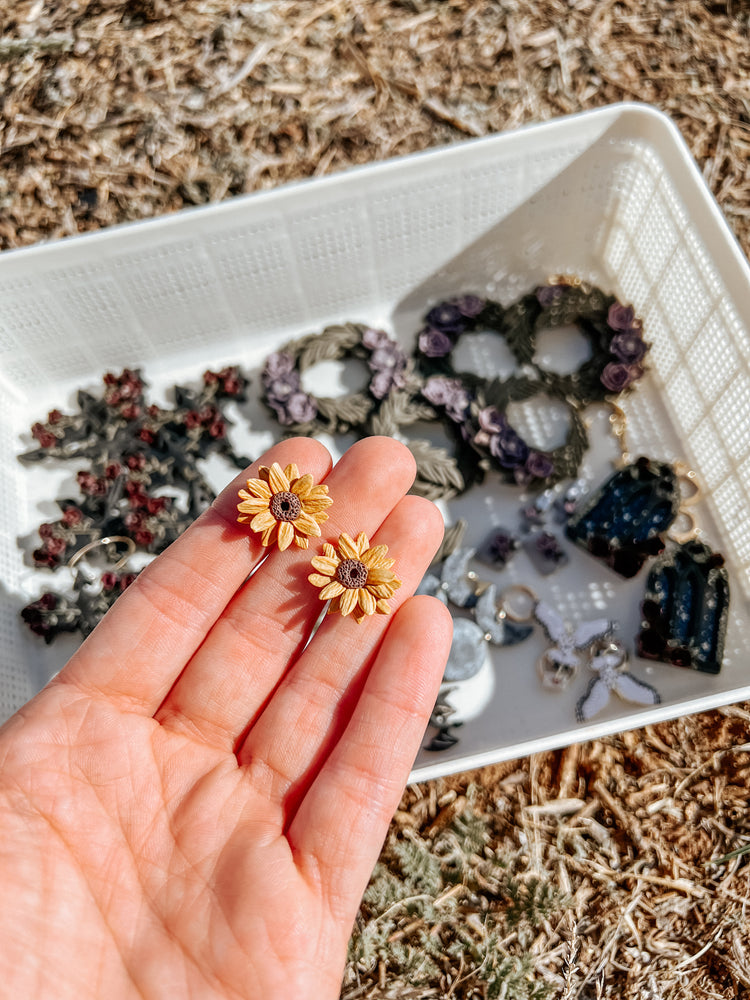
<point x="193" y="806"/>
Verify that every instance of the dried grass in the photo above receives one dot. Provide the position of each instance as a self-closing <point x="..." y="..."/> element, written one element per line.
<point x="115" y="110"/>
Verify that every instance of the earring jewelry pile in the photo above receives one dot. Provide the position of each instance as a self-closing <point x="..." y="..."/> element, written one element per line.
<point x="138" y="455"/>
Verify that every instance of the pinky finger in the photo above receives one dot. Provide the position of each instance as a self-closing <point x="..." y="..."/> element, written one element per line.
<point x="339" y="828"/>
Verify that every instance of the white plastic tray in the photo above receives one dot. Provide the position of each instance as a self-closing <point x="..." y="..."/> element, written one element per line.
<point x="611" y="195"/>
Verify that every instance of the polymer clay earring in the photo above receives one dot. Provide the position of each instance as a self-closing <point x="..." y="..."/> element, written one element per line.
<point x="283" y="506"/>
<point x="626" y="519"/>
<point x="452" y="580"/>
<point x="685" y="609"/>
<point x="559" y="664"/>
<point x="610" y="664"/>
<point x="356" y="579"/>
<point x="545" y="552"/>
<point x="490" y="623"/>
<point x="500" y="627"/>
<point x="498" y="548"/>
<point x="53" y="613"/>
<point x="440" y="719"/>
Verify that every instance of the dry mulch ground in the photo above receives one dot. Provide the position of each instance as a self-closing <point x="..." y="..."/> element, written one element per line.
<point x="587" y="872"/>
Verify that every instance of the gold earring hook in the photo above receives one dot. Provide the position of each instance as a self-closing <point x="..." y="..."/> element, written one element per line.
<point x="690" y="533"/>
<point x="618" y="418"/>
<point x="100" y="542"/>
<point x="690" y="477"/>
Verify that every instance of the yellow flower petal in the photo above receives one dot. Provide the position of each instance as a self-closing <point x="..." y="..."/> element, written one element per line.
<point x="348" y="547"/>
<point x="385" y="590"/>
<point x="360" y="618"/>
<point x="319" y="493"/>
<point x="377" y="576"/>
<point x="383" y="608"/>
<point x="334" y="606"/>
<point x="277" y="481"/>
<point x="315" y="506"/>
<point x="374" y="556"/>
<point x="330" y="552"/>
<point x="348" y="601"/>
<point x="286" y="534"/>
<point x="303" y="522"/>
<point x="362" y="543"/>
<point x="300" y="541"/>
<point x="291" y="472"/>
<point x="333" y="589"/>
<point x="258" y="488"/>
<point x="317" y="580"/>
<point x="269" y="535"/>
<point x="263" y="521"/>
<point x="325" y="564"/>
<point x="301" y="485"/>
<point x="253" y="505"/>
<point x="366" y="601"/>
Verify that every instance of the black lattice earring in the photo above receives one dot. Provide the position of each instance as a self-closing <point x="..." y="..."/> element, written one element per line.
<point x="625" y="521"/>
<point x="686" y="608"/>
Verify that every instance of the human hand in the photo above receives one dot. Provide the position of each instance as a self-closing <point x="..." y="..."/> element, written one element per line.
<point x="193" y="806"/>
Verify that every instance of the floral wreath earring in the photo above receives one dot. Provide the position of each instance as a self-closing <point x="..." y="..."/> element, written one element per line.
<point x="53" y="614"/>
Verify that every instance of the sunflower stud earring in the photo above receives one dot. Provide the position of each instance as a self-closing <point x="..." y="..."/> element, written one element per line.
<point x="282" y="506"/>
<point x="356" y="579"/>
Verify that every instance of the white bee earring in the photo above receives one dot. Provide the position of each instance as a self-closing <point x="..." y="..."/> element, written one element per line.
<point x="559" y="664"/>
<point x="610" y="664"/>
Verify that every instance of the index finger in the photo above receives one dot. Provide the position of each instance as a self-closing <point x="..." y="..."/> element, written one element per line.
<point x="141" y="646"/>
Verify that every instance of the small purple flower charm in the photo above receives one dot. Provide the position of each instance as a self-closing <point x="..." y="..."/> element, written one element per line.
<point x="629" y="347"/>
<point x="539" y="465"/>
<point x="447" y="318"/>
<point x="545" y="552"/>
<point x="509" y="448"/>
<point x="373" y="339"/>
<point x="278" y="365"/>
<point x="498" y="548"/>
<point x="622" y="318"/>
<point x="299" y="409"/>
<point x="470" y="305"/>
<point x="617" y="377"/>
<point x="447" y="392"/>
<point x="282" y="385"/>
<point x="387" y="362"/>
<point x="434" y="343"/>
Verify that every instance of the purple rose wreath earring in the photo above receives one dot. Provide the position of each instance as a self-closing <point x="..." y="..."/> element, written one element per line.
<point x="304" y="413"/>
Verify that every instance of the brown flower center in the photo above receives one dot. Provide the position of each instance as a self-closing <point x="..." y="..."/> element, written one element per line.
<point x="285" y="506"/>
<point x="352" y="574"/>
